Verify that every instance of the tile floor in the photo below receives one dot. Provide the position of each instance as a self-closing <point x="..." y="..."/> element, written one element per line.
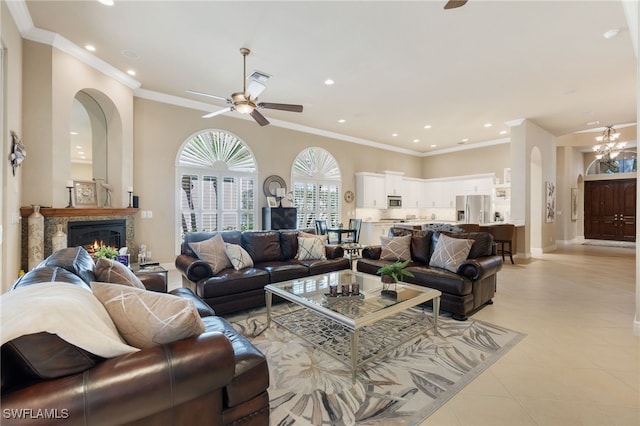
<point x="580" y="362"/>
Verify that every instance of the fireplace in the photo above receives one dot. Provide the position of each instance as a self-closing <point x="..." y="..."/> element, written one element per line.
<point x="90" y="233"/>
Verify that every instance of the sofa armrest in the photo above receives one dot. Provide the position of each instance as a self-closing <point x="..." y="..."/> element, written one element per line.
<point x="479" y="268"/>
<point x="139" y="385"/>
<point x="193" y="269"/>
<point x="334" y="251"/>
<point x="204" y="310"/>
<point x="372" y="252"/>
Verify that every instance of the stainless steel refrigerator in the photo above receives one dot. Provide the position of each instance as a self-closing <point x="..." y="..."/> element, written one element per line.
<point x="473" y="208"/>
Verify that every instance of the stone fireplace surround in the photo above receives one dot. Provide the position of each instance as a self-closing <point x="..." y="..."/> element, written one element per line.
<point x="55" y="216"/>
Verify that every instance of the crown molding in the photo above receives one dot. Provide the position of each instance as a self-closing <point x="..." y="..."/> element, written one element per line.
<point x="468" y="147"/>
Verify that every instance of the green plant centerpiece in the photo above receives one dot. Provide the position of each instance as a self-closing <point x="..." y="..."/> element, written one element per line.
<point x="391" y="274"/>
<point x="105" y="252"/>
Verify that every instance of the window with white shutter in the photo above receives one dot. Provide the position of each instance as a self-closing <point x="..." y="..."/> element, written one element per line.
<point x="316" y="187"/>
<point x="217" y="175"/>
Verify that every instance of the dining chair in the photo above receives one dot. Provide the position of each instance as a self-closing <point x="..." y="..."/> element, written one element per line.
<point x="321" y="227"/>
<point x="353" y="224"/>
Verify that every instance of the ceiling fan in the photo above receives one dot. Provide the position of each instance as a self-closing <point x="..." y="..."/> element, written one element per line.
<point x="245" y="102"/>
<point x="452" y="4"/>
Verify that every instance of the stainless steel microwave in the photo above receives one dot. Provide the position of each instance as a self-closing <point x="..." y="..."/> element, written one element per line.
<point x="394" y="201"/>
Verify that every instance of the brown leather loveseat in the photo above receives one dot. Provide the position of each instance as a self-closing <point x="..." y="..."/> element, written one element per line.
<point x="464" y="291"/>
<point x="274" y="260"/>
<point x="215" y="378"/>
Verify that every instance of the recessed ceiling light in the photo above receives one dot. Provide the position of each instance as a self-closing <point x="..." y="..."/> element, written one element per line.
<point x="130" y="54"/>
<point x="465" y="140"/>
<point x="342" y="120"/>
<point x="416" y="140"/>
<point x="131" y="72"/>
<point x="592" y="123"/>
<point x="83" y="157"/>
<point x="90" y="48"/>
<point x="433" y="145"/>
<point x="78" y="147"/>
<point x="107" y="2"/>
<point x="394" y="134"/>
<point x="503" y="132"/>
<point x="487" y="124"/>
<point x="329" y="82"/>
<point x="611" y="33"/>
<point x="74" y="134"/>
<point x="428" y="126"/>
<point x="81" y="152"/>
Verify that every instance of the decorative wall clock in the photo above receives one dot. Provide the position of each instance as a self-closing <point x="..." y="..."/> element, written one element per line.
<point x="349" y="196"/>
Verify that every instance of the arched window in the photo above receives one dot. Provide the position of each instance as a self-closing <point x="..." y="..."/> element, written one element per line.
<point x="625" y="162"/>
<point x="316" y="187"/>
<point x="216" y="182"/>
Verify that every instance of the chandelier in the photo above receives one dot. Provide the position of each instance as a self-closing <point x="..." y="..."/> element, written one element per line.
<point x="608" y="147"/>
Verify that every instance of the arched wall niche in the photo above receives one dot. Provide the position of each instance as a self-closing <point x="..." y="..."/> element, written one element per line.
<point x="106" y="133"/>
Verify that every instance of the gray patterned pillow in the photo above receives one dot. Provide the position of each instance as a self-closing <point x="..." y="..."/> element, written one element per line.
<point x="212" y="252"/>
<point x="238" y="256"/>
<point x="450" y="252"/>
<point x="396" y="248"/>
<point x="311" y="249"/>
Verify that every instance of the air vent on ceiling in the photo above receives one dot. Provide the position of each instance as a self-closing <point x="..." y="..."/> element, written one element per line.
<point x="259" y="76"/>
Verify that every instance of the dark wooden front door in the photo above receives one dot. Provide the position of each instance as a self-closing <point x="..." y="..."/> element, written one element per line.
<point x="610" y="210"/>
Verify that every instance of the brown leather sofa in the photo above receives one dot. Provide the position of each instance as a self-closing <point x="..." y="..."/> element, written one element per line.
<point x="273" y="254"/>
<point x="216" y="378"/>
<point x="464" y="291"/>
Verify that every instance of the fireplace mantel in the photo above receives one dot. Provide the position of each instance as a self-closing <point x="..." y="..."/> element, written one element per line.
<point x="76" y="211"/>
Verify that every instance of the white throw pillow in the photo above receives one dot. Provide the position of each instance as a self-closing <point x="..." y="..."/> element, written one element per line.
<point x="212" y="252"/>
<point x="111" y="271"/>
<point x="238" y="256"/>
<point x="311" y="249"/>
<point x="146" y="318"/>
<point x="450" y="252"/>
<point x="396" y="248"/>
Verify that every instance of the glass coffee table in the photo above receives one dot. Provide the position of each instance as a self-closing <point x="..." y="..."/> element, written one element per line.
<point x="354" y="328"/>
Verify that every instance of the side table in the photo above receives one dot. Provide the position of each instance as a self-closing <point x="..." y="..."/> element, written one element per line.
<point x="149" y="273"/>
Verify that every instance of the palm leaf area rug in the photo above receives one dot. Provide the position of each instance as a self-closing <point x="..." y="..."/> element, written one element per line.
<point x="402" y="387"/>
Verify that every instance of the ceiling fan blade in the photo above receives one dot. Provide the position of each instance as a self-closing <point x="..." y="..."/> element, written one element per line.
<point x="213" y="114"/>
<point x="281" y="107"/>
<point x="254" y="89"/>
<point x="259" y="117"/>
<point x="452" y="4"/>
<point x="207" y="95"/>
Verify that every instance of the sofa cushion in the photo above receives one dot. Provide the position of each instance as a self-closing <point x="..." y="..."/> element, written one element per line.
<point x="450" y="252"/>
<point x="44" y="274"/>
<point x="238" y="256"/>
<point x="66" y="331"/>
<point x="146" y="319"/>
<point x="75" y="260"/>
<point x="212" y="252"/>
<point x="482" y="243"/>
<point x="262" y="246"/>
<point x="421" y="247"/>
<point x="111" y="271"/>
<point x="311" y="248"/>
<point x="396" y="248"/>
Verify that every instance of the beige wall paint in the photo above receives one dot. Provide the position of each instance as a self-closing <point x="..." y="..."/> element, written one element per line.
<point x="490" y="159"/>
<point x="51" y="80"/>
<point x="11" y="117"/>
<point x="161" y="130"/>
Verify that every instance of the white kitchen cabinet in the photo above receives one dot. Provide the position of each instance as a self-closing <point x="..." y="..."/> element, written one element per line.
<point x="370" y="233"/>
<point x="414" y="194"/>
<point x="370" y="191"/>
<point x="394" y="183"/>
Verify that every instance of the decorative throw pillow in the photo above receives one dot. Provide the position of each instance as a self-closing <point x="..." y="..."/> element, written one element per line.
<point x="311" y="249"/>
<point x="146" y="318"/>
<point x="324" y="238"/>
<point x="212" y="252"/>
<point x="450" y="252"/>
<point x="396" y="248"/>
<point x="238" y="256"/>
<point x="110" y="271"/>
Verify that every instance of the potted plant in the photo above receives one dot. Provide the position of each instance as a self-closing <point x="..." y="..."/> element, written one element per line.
<point x="105" y="252"/>
<point x="391" y="274"/>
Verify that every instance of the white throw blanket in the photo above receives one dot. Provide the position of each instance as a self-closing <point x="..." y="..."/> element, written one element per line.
<point x="70" y="311"/>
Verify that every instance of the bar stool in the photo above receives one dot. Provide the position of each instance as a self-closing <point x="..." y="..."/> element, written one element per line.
<point x="469" y="227"/>
<point x="504" y="234"/>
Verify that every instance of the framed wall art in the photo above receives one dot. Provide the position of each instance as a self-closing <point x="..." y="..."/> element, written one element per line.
<point x="550" y="202"/>
<point x="85" y="193"/>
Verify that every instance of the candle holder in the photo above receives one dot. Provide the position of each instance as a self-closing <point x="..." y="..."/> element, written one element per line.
<point x="130" y="205"/>
<point x="70" y="198"/>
